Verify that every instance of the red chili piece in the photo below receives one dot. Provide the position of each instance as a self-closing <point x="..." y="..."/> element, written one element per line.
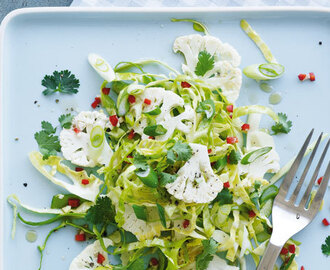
<point x="76" y="130"/>
<point x="78" y="169"/>
<point x="85" y="182"/>
<point x="252" y="214"/>
<point x="185" y="85"/>
<point x="302" y="77"/>
<point x="129" y="156"/>
<point x="151" y="137"/>
<point x="105" y="90"/>
<point x="154" y="262"/>
<point x="302" y="268"/>
<point x="147" y="101"/>
<point x="100" y="258"/>
<point x="131" y="134"/>
<point x="96" y="102"/>
<point x="81" y="237"/>
<point x="319" y="181"/>
<point x="325" y="222"/>
<point x="113" y="120"/>
<point x="312" y="76"/>
<point x="209" y="151"/>
<point x="245" y="127"/>
<point x="131" y="99"/>
<point x="231" y="116"/>
<point x="185" y="223"/>
<point x="284" y="251"/>
<point x="74" y="203"/>
<point x="230" y="108"/>
<point x="232" y="140"/>
<point x="226" y="184"/>
<point x="292" y="248"/>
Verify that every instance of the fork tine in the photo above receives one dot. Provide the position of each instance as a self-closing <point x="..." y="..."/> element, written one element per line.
<point x="303" y="176"/>
<point x="312" y="181"/>
<point x="316" y="203"/>
<point x="291" y="173"/>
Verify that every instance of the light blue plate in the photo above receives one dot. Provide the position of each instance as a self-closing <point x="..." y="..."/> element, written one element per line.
<point x="38" y="41"/>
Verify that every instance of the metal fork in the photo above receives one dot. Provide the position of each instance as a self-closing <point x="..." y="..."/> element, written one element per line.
<point x="288" y="218"/>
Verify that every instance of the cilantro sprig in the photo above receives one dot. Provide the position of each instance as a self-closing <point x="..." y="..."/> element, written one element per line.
<point x="203" y="260"/>
<point x="326" y="247"/>
<point x="179" y="152"/>
<point x="66" y="120"/>
<point x="283" y="125"/>
<point x="61" y="81"/>
<point x="204" y="64"/>
<point x="102" y="213"/>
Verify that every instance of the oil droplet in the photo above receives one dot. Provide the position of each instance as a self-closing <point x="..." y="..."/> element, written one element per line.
<point x="31" y="236"/>
<point x="275" y="98"/>
<point x="266" y="87"/>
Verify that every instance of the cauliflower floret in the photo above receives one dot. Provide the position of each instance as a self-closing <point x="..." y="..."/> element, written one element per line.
<point x="76" y="146"/>
<point x="225" y="74"/>
<point x="167" y="100"/>
<point x="196" y="181"/>
<point x="87" y="259"/>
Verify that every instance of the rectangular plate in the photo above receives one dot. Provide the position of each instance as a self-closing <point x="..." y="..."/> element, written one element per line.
<point x="38" y="41"/>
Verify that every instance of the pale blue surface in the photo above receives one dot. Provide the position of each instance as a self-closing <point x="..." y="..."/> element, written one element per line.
<point x="36" y="44"/>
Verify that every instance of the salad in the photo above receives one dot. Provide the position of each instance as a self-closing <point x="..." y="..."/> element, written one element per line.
<point x="165" y="172"/>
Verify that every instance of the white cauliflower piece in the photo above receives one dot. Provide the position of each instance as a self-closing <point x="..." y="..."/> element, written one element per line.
<point x="77" y="147"/>
<point x="225" y="74"/>
<point x="196" y="181"/>
<point x="167" y="100"/>
<point x="87" y="259"/>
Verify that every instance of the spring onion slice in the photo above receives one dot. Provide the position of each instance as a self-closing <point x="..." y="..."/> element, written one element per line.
<point x="154" y="130"/>
<point x="148" y="177"/>
<point x="155" y="111"/>
<point x="252" y="156"/>
<point x="258" y="41"/>
<point x="198" y="26"/>
<point x="267" y="71"/>
<point x="97" y="136"/>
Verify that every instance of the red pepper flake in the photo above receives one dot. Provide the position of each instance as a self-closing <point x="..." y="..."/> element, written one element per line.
<point x="151" y="137"/>
<point x="312" y="76"/>
<point x="105" y="90"/>
<point x="113" y="120"/>
<point x="209" y="151"/>
<point x="147" y="101"/>
<point x="185" y="223"/>
<point x="226" y="184"/>
<point x="232" y="140"/>
<point x="292" y="248"/>
<point x="96" y="102"/>
<point x="230" y="108"/>
<point x="213" y="163"/>
<point x="252" y="214"/>
<point x="185" y="85"/>
<point x="302" y="268"/>
<point x="228" y="159"/>
<point x="131" y="134"/>
<point x="131" y="99"/>
<point x="78" y="169"/>
<point x="245" y="127"/>
<point x="302" y="77"/>
<point x="319" y="181"/>
<point x="76" y="130"/>
<point x="81" y="237"/>
<point x="154" y="262"/>
<point x="74" y="203"/>
<point x="85" y="182"/>
<point x="325" y="222"/>
<point x="100" y="258"/>
<point x="284" y="251"/>
<point x="231" y="116"/>
<point x="129" y="156"/>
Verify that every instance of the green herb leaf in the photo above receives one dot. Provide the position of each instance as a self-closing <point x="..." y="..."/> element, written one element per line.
<point x="166" y="178"/>
<point x="102" y="213"/>
<point x="140" y="211"/>
<point x="326" y="247"/>
<point x="154" y="130"/>
<point x="220" y="164"/>
<point x="224" y="197"/>
<point x="48" y="144"/>
<point x="204" y="64"/>
<point x="66" y="120"/>
<point x="48" y="127"/>
<point x="63" y="82"/>
<point x="137" y="265"/>
<point x="161" y="212"/>
<point x="283" y="125"/>
<point x="234" y="157"/>
<point x="286" y="265"/>
<point x="179" y="152"/>
<point x="206" y="107"/>
<point x="140" y="162"/>
<point x="203" y="260"/>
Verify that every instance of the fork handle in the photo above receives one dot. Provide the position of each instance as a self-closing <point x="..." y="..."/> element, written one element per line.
<point x="269" y="258"/>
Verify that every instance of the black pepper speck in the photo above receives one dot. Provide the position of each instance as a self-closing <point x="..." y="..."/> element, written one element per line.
<point x="25" y="184"/>
<point x="320" y="42"/>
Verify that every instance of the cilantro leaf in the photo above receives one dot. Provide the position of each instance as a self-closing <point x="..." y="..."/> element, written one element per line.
<point x="102" y="213"/>
<point x="283" y="125"/>
<point x="326" y="247"/>
<point x="224" y="197"/>
<point x="204" y="64"/>
<point x="234" y="157"/>
<point x="66" y="120"/>
<point x="63" y="82"/>
<point x="48" y="144"/>
<point x="203" y="260"/>
<point x="179" y="152"/>
<point x="206" y="107"/>
<point x="47" y="127"/>
<point x="137" y="265"/>
<point x="140" y="162"/>
<point x="166" y="178"/>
